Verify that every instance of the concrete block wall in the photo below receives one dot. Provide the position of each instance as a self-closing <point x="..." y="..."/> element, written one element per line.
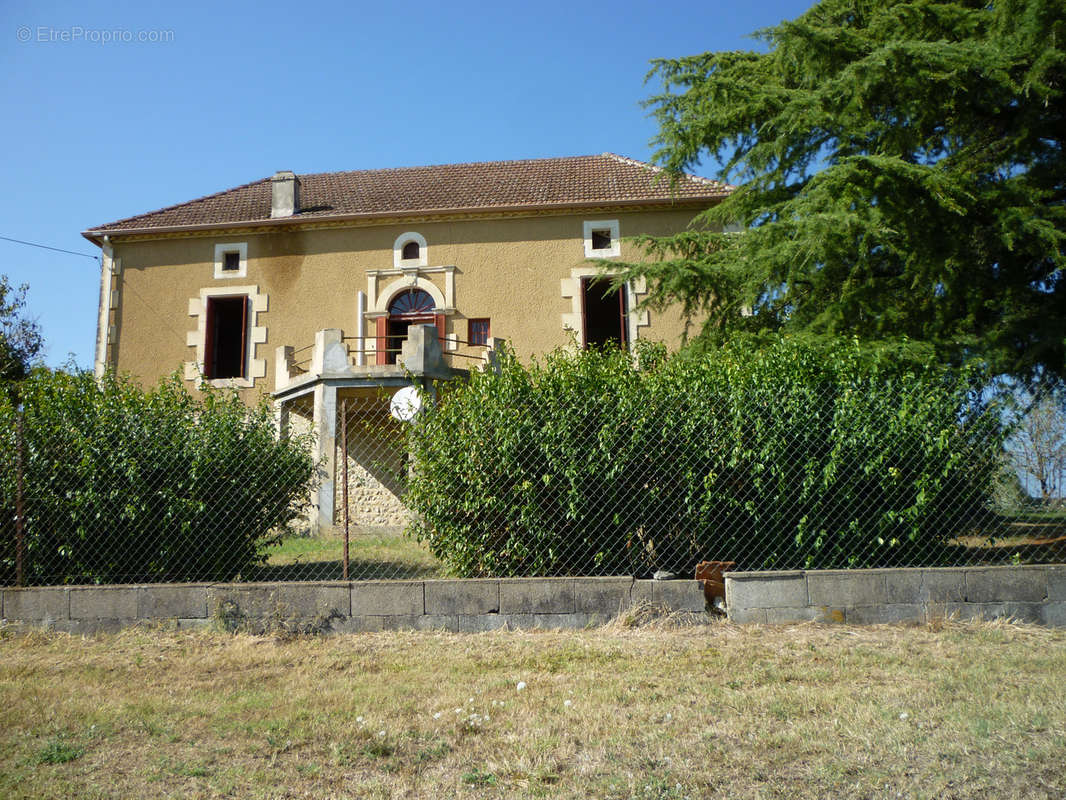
<point x="1030" y="593"/>
<point x="1027" y="593"/>
<point x="451" y="605"/>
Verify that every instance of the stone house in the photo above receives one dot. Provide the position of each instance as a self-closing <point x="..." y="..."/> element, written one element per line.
<point x="306" y="286"/>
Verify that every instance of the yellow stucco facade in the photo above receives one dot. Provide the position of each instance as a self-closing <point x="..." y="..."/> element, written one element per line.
<point x="518" y="271"/>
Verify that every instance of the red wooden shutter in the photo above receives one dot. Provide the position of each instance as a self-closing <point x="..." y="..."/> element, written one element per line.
<point x="438" y="319"/>
<point x="382" y="340"/>
<point x="209" y="338"/>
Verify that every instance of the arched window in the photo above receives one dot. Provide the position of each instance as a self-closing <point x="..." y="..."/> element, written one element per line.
<point x="409" y="250"/>
<point x="409" y="307"/>
<point x="413" y="301"/>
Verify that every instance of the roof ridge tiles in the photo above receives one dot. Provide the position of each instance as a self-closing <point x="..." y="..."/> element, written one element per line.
<point x="657" y="168"/>
<point x="456" y="165"/>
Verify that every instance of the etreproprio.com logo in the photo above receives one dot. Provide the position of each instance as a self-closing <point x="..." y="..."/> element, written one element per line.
<point x="48" y="34"/>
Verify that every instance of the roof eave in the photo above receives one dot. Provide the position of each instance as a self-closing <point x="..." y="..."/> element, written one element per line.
<point x="94" y="235"/>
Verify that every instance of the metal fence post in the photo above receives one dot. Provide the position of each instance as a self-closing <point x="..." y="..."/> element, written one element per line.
<point x="344" y="477"/>
<point x="20" y="542"/>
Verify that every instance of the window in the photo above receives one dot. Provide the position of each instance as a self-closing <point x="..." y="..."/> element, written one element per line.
<point x="601" y="239"/>
<point x="603" y="313"/>
<point x="413" y="301"/>
<point x="409" y="250"/>
<point x="231" y="260"/>
<point x="226" y="339"/>
<point x="478" y="331"/>
<point x="229" y="325"/>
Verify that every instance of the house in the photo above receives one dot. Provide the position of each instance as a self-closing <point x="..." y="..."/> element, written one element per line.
<point x="306" y="286"/>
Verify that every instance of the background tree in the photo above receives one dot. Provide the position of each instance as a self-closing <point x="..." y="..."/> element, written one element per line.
<point x="900" y="174"/>
<point x="1039" y="445"/>
<point x="20" y="337"/>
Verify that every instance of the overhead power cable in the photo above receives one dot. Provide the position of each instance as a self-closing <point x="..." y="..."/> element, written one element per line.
<point x="46" y="247"/>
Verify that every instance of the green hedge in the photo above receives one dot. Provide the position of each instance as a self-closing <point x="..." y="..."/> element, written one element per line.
<point x="124" y="485"/>
<point x="796" y="455"/>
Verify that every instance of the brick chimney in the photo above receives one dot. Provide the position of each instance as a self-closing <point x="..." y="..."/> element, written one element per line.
<point x="284" y="194"/>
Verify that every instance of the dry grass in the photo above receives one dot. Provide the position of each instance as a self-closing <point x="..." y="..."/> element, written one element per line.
<point x="628" y="711"/>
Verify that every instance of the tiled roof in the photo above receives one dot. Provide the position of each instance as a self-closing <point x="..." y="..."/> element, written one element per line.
<point x="536" y="183"/>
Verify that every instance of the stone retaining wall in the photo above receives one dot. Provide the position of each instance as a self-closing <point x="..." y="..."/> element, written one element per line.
<point x="1027" y="593"/>
<point x="451" y="605"/>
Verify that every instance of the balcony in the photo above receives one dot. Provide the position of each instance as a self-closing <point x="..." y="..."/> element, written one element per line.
<point x="310" y="396"/>
<point x="332" y="360"/>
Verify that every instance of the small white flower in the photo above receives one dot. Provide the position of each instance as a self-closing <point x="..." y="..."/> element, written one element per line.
<point x="359" y="720"/>
<point x="458" y="711"/>
<point x="470" y="701"/>
<point x="521" y="685"/>
<point x="669" y="717"/>
<point x="381" y="734"/>
<point x="567" y="703"/>
<point x="904" y="715"/>
<point x="437" y="715"/>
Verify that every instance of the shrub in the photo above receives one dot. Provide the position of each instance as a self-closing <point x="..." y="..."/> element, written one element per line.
<point x="794" y="455"/>
<point x="124" y="485"/>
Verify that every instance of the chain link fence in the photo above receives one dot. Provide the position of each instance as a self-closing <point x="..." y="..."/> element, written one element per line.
<point x="646" y="482"/>
<point x="624" y="483"/>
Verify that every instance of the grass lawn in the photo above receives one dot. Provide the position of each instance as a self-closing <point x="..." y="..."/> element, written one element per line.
<point x="386" y="553"/>
<point x="946" y="711"/>
<point x="1032" y="537"/>
<point x="383" y="553"/>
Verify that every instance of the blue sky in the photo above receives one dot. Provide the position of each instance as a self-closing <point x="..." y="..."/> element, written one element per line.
<point x="99" y="128"/>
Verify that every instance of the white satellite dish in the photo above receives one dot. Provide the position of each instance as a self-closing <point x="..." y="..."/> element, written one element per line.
<point x="405" y="404"/>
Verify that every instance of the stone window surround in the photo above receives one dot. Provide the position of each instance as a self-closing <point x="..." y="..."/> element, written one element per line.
<point x="221" y="249"/>
<point x="571" y="288"/>
<point x="399" y="261"/>
<point x="377" y="301"/>
<point x="610" y="225"/>
<point x="257" y="334"/>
